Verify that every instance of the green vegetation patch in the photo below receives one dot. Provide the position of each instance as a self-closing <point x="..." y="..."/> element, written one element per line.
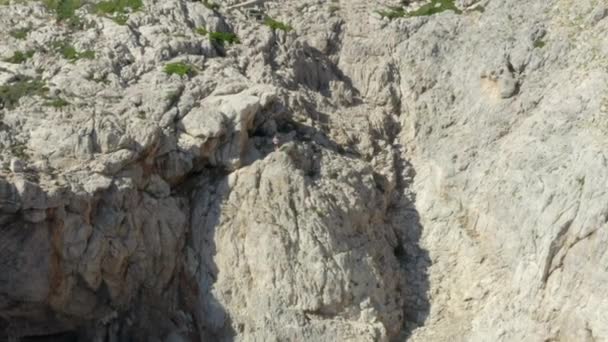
<point x="24" y="86"/>
<point x="433" y="7"/>
<point x="19" y="57"/>
<point x="118" y="9"/>
<point x="64" y="9"/>
<point x="181" y="69"/>
<point x="11" y="93"/>
<point x="65" y="12"/>
<point x="57" y="102"/>
<point x="120" y="18"/>
<point x="539" y="44"/>
<point x="20" y="33"/>
<point x="277" y="25"/>
<point x="67" y="51"/>
<point x="222" y="38"/>
<point x="86" y="54"/>
<point x="118" y="6"/>
<point x="211" y="5"/>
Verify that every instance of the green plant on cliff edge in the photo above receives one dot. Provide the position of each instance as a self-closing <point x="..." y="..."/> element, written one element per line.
<point x="222" y="38"/>
<point x="19" y="57"/>
<point x="180" y="69"/>
<point x="65" y="12"/>
<point x="433" y="7"/>
<point x="69" y="52"/>
<point x="20" y="33"/>
<point x="118" y="10"/>
<point x="11" y="93"/>
<point x="277" y="25"/>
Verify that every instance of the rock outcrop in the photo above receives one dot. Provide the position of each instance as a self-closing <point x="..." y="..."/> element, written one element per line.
<point x="303" y="170"/>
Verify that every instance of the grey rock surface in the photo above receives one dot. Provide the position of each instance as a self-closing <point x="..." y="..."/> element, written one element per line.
<point x="349" y="177"/>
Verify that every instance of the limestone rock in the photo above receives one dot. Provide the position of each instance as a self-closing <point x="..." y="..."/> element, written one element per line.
<point x="342" y="173"/>
<point x="288" y="235"/>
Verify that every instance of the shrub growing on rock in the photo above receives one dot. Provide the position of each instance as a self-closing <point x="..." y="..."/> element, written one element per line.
<point x="69" y="52"/>
<point x="20" y="33"/>
<point x="19" y="57"/>
<point x="118" y="10"/>
<point x="64" y="9"/>
<point x="211" y="5"/>
<point x="222" y="38"/>
<point x="433" y="7"/>
<point x="277" y="25"/>
<point x="11" y="93"/>
<point x="57" y="102"/>
<point x="181" y="69"/>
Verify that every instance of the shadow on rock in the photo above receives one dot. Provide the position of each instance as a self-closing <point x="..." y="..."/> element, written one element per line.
<point x="197" y="291"/>
<point x="316" y="71"/>
<point x="414" y="259"/>
<point x="215" y="220"/>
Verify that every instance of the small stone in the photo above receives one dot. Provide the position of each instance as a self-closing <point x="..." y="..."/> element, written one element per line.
<point x="508" y="85"/>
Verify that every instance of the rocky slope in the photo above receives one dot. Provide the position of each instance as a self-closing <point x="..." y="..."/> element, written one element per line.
<point x="347" y="171"/>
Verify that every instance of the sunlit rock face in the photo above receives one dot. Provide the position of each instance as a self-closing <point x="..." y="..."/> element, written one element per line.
<point x="303" y="170"/>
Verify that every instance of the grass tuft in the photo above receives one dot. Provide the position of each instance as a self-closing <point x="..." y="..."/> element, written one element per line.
<point x="11" y="93"/>
<point x="222" y="38"/>
<point x="118" y="6"/>
<point x="86" y="54"/>
<point x="539" y="44"/>
<point x="20" y="57"/>
<point x="64" y="9"/>
<point x="69" y="52"/>
<point x="20" y="33"/>
<point x="57" y="102"/>
<point x="277" y="25"/>
<point x="433" y="7"/>
<point x="118" y="10"/>
<point x="120" y="19"/>
<point x="65" y="12"/>
<point x="181" y="69"/>
<point x="211" y="5"/>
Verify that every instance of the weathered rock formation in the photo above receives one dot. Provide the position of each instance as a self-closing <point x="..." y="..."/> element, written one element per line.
<point x="346" y="171"/>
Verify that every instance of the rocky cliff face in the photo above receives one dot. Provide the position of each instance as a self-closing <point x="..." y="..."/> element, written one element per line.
<point x="303" y="170"/>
